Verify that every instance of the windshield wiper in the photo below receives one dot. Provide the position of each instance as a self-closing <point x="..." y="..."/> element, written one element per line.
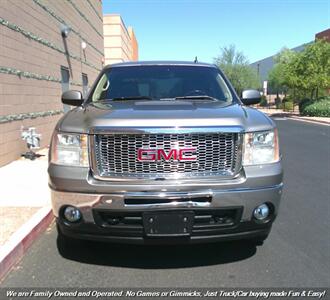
<point x="197" y="97"/>
<point x="131" y="98"/>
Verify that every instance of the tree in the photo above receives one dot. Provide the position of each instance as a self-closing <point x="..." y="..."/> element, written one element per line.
<point x="280" y="77"/>
<point x="236" y="67"/>
<point x="313" y="67"/>
<point x="303" y="73"/>
<point x="275" y="80"/>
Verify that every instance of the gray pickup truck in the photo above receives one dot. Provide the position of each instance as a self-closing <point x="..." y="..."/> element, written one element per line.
<point x="164" y="152"/>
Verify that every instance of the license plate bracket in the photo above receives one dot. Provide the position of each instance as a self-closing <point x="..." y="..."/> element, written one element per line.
<point x="171" y="224"/>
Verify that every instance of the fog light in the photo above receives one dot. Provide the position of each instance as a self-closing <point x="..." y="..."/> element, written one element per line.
<point x="72" y="214"/>
<point x="261" y="212"/>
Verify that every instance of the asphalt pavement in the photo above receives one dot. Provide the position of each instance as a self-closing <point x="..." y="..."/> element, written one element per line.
<point x="296" y="254"/>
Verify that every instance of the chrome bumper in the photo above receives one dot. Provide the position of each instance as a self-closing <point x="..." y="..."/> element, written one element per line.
<point x="248" y="198"/>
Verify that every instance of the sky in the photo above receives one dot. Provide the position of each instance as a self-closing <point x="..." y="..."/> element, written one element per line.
<point x="183" y="29"/>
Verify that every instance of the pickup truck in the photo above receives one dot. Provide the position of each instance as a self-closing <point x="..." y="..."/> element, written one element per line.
<point x="164" y="152"/>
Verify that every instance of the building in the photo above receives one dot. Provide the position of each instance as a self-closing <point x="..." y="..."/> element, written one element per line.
<point x="325" y="34"/>
<point x="46" y="48"/>
<point x="120" y="43"/>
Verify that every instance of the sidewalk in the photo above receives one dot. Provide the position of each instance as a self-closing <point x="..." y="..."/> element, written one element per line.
<point x="294" y="115"/>
<point x="24" y="207"/>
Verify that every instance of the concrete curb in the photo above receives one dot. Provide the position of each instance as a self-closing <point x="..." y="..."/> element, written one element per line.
<point x="22" y="239"/>
<point x="298" y="118"/>
<point x="309" y="120"/>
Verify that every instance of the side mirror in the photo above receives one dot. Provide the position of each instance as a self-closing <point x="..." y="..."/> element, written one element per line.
<point x="251" y="97"/>
<point x="73" y="98"/>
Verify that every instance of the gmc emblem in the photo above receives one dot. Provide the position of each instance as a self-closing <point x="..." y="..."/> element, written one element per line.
<point x="181" y="154"/>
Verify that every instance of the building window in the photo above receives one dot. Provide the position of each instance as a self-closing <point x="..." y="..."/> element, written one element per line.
<point x="65" y="82"/>
<point x="85" y="84"/>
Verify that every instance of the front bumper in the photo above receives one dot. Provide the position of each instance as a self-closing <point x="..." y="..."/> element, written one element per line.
<point x="237" y="205"/>
<point x="235" y="198"/>
<point x="245" y="230"/>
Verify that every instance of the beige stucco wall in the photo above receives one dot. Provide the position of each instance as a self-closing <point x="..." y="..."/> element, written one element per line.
<point x="135" y="46"/>
<point x="120" y="43"/>
<point x="19" y="52"/>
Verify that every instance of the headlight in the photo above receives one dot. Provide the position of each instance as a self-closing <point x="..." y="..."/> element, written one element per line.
<point x="260" y="148"/>
<point x="69" y="149"/>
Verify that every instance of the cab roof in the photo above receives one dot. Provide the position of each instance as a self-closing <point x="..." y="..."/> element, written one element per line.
<point x="161" y="63"/>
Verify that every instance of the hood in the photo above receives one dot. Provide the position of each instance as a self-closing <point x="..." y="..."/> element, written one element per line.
<point x="163" y="114"/>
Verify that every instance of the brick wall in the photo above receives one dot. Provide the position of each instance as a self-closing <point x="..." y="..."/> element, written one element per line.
<point x="31" y="42"/>
<point x="325" y="34"/>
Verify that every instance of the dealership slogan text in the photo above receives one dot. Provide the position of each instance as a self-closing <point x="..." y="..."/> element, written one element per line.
<point x="99" y="294"/>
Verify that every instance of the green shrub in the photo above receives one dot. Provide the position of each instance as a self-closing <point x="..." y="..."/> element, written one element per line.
<point x="287" y="106"/>
<point x="263" y="101"/>
<point x="303" y="103"/>
<point x="326" y="98"/>
<point x="278" y="102"/>
<point x="288" y="98"/>
<point x="319" y="108"/>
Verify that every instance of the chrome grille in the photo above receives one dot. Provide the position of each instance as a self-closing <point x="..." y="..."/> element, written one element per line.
<point x="116" y="154"/>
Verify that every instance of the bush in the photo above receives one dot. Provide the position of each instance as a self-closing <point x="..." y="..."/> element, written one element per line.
<point x="278" y="102"/>
<point x="287" y="99"/>
<point x="263" y="101"/>
<point x="319" y="108"/>
<point x="303" y="103"/>
<point x="324" y="98"/>
<point x="288" y="106"/>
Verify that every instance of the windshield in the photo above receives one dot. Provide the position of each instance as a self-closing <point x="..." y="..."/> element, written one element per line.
<point x="161" y="83"/>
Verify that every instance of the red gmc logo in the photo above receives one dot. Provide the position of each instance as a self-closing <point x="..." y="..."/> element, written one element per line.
<point x="181" y="154"/>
